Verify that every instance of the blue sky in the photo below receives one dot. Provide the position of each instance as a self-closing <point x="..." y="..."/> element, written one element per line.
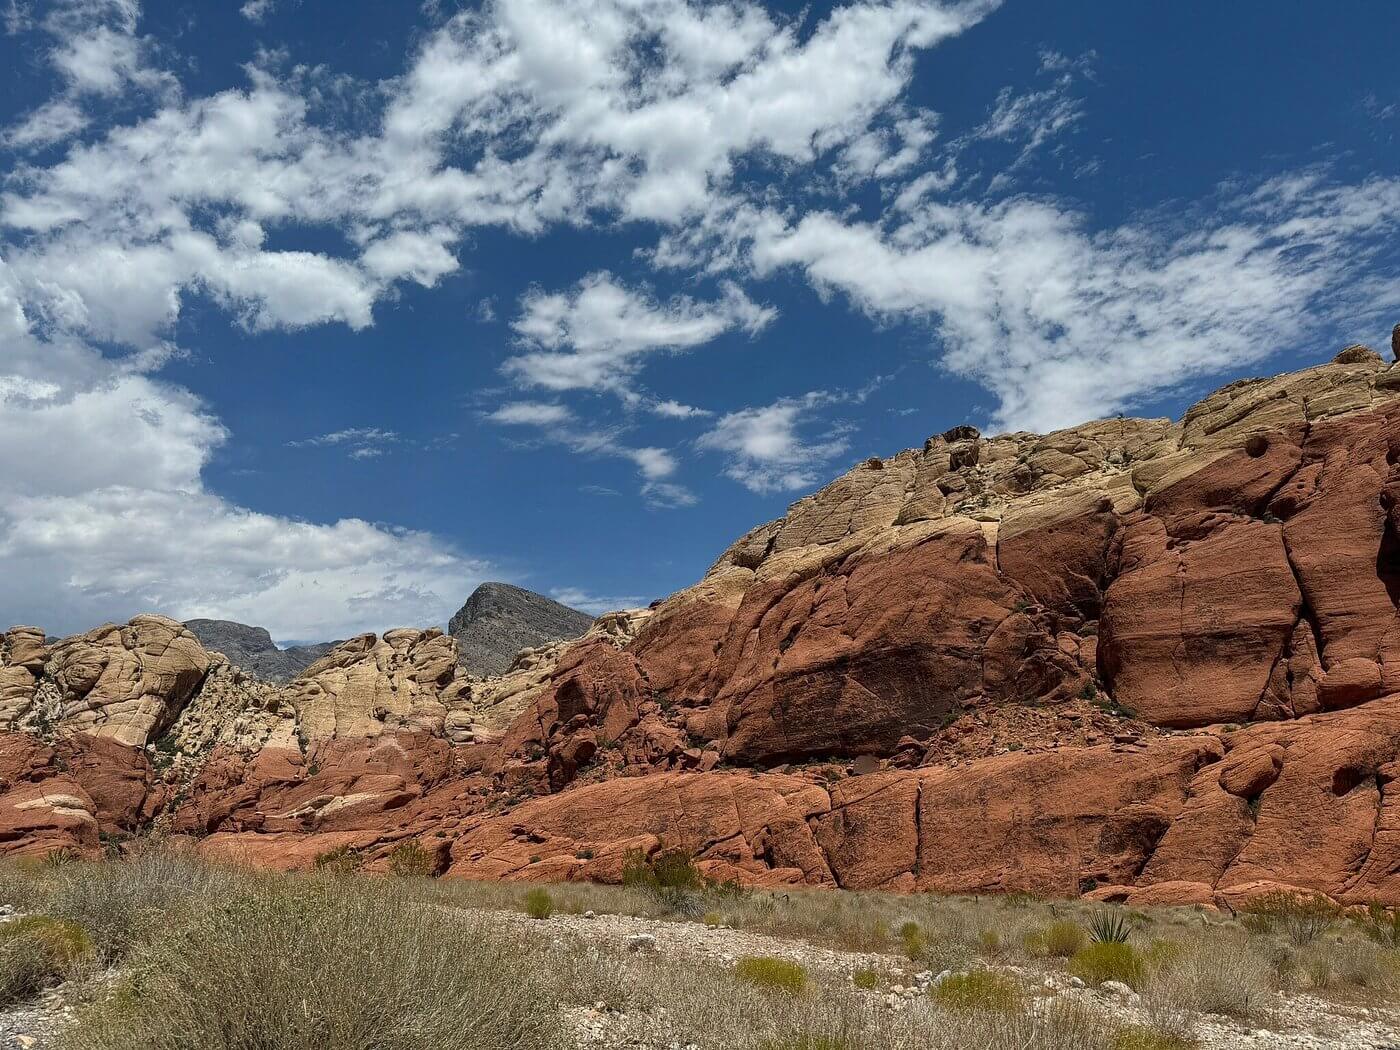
<point x="315" y="316"/>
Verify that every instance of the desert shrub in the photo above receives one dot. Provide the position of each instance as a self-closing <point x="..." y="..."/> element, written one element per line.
<point x="1216" y="975"/>
<point x="777" y="975"/>
<point x="915" y="943"/>
<point x="978" y="990"/>
<point x="1351" y="965"/>
<point x="1303" y="917"/>
<point x="121" y="903"/>
<point x="1059" y="940"/>
<point x="866" y="980"/>
<point x="1145" y="1037"/>
<point x="989" y="942"/>
<point x="311" y="964"/>
<point x="37" y="950"/>
<point x="670" y="878"/>
<point x="339" y="861"/>
<point x="1107" y="961"/>
<point x="1109" y="926"/>
<point x="411" y="861"/>
<point x="539" y="904"/>
<point x="1380" y="923"/>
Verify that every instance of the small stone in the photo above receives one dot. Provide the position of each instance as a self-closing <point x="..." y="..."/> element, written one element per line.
<point x="1115" y="988"/>
<point x="589" y="914"/>
<point x="1075" y="982"/>
<point x="641" y="942"/>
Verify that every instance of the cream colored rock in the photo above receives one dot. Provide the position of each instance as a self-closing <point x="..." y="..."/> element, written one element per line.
<point x="368" y="686"/>
<point x="128" y="683"/>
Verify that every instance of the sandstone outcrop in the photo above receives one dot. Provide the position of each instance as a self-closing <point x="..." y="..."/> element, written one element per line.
<point x="1135" y="659"/>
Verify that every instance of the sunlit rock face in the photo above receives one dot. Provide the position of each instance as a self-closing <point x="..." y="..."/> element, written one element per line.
<point x="1136" y="659"/>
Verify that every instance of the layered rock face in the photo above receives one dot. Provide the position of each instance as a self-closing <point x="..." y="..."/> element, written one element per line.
<point x="499" y="620"/>
<point x="1134" y="659"/>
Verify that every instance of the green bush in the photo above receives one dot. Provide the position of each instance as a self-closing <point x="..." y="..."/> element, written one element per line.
<point x="1107" y="961"/>
<point x="1143" y="1037"/>
<point x="1062" y="939"/>
<point x="121" y="903"/>
<point x="776" y="975"/>
<point x="38" y="950"/>
<point x="978" y="990"/>
<point x="1303" y="917"/>
<point x="911" y="935"/>
<point x="866" y="980"/>
<point x="313" y="964"/>
<point x="539" y="904"/>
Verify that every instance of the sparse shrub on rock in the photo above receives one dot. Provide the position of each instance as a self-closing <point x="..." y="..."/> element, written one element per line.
<point x="411" y="861"/>
<point x="339" y="861"/>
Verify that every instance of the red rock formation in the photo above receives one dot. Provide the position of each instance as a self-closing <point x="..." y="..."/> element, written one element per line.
<point x="1140" y="660"/>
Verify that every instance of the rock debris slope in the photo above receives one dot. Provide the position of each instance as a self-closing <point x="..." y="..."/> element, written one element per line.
<point x="1135" y="659"/>
<point x="499" y="620"/>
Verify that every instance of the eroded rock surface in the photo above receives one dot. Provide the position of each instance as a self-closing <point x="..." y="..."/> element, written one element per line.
<point x="1136" y="659"/>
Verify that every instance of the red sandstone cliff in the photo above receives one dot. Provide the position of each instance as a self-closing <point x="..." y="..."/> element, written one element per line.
<point x="1140" y="659"/>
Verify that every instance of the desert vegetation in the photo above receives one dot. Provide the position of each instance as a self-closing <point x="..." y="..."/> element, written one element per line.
<point x="162" y="952"/>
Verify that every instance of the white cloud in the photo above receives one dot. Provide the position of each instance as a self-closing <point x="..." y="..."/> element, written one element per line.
<point x="1063" y="324"/>
<point x="256" y="10"/>
<point x="359" y="442"/>
<point x="594" y="337"/>
<point x="104" y="513"/>
<point x="531" y="413"/>
<point x="576" y="598"/>
<point x="52" y="122"/>
<point x="558" y="426"/>
<point x="766" y="450"/>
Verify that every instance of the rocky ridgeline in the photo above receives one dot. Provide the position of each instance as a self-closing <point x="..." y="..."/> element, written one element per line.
<point x="1134" y="659"/>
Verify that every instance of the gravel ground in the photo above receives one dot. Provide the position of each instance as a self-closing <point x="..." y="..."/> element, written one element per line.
<point x="1302" y="1022"/>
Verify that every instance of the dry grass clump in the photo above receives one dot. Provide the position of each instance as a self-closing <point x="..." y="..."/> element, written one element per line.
<point x="1348" y="967"/>
<point x="305" y="964"/>
<point x="121" y="903"/>
<point x="1107" y="961"/>
<point x="1216" y="975"/>
<point x="978" y="990"/>
<point x="36" y="951"/>
<point x="776" y="975"/>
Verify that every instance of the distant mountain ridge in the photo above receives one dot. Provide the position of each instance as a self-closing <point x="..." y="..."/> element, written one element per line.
<point x="499" y="620"/>
<point x="253" y="649"/>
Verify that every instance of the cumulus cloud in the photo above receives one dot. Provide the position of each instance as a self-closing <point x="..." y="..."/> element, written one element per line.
<point x="103" y="514"/>
<point x="766" y="447"/>
<point x="595" y="336"/>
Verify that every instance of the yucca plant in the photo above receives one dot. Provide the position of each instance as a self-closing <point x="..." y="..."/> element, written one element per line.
<point x="1109" y="927"/>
